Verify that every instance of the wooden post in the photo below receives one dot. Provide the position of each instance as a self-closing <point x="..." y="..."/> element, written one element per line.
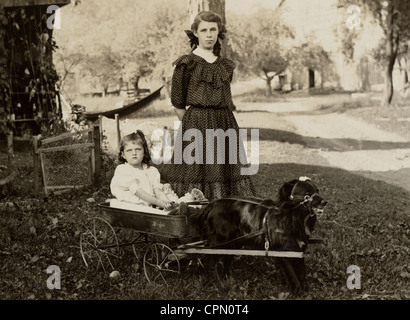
<point x="90" y="138"/>
<point x="36" y="166"/>
<point x="97" y="150"/>
<point x="166" y="87"/>
<point x="10" y="149"/>
<point x="117" y="121"/>
<point x="45" y="183"/>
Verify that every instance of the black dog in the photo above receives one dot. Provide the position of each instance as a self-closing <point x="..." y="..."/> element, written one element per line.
<point x="283" y="225"/>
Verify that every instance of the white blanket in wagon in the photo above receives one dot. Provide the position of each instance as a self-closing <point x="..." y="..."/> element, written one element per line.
<point x="193" y="196"/>
<point x="115" y="203"/>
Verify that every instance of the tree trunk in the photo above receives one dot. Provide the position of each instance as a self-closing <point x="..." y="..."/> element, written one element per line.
<point x="217" y="6"/>
<point x="392" y="46"/>
<point x="388" y="89"/>
<point x="136" y="85"/>
<point x="388" y="81"/>
<point x="269" y="86"/>
<point x="268" y="80"/>
<point x="322" y="78"/>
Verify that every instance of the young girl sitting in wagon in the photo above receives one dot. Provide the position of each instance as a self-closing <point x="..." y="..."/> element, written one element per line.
<point x="136" y="184"/>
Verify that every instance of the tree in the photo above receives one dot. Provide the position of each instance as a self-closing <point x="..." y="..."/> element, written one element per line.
<point x="66" y="62"/>
<point x="393" y="17"/>
<point x="260" y="42"/>
<point x="157" y="41"/>
<point x="272" y="66"/>
<point x="106" y="66"/>
<point x="143" y="37"/>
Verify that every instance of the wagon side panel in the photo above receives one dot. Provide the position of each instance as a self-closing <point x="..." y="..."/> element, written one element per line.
<point x="169" y="226"/>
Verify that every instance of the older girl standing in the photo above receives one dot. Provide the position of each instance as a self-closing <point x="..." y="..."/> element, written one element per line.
<point x="201" y="82"/>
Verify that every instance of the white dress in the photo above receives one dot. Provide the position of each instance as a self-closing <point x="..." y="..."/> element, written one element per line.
<point x="127" y="180"/>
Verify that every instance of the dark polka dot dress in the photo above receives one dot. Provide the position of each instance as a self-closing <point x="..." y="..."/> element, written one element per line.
<point x="216" y="171"/>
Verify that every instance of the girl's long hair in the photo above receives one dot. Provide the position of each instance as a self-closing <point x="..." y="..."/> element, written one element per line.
<point x="139" y="137"/>
<point x="207" y="16"/>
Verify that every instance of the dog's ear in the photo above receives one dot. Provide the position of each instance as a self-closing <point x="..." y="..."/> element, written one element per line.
<point x="286" y="190"/>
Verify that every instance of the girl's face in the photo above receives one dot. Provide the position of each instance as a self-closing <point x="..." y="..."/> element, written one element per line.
<point x="207" y="34"/>
<point x="133" y="153"/>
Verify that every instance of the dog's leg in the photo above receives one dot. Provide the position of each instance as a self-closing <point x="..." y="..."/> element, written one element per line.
<point x="291" y="276"/>
<point x="220" y="276"/>
<point x="300" y="269"/>
<point x="219" y="270"/>
<point x="228" y="265"/>
<point x="223" y="267"/>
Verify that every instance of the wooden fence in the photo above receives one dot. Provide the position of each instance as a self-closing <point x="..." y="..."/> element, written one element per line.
<point x="70" y="160"/>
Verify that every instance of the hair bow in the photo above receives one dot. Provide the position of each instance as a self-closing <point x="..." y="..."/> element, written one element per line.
<point x="193" y="40"/>
<point x="221" y="34"/>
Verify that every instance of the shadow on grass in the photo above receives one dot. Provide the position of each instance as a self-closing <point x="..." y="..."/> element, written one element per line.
<point x="339" y="144"/>
<point x="270" y="178"/>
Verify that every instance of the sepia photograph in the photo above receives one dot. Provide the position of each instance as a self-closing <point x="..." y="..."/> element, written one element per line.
<point x="199" y="157"/>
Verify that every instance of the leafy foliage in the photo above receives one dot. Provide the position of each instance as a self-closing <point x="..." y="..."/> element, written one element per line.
<point x="5" y="101"/>
<point x="148" y="38"/>
<point x="106" y="67"/>
<point x="256" y="41"/>
<point x="27" y="85"/>
<point x="393" y="17"/>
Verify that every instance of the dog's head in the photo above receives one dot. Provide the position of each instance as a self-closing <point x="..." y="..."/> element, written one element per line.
<point x="304" y="192"/>
<point x="297" y="208"/>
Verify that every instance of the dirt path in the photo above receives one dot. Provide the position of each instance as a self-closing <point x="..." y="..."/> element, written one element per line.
<point x="333" y="139"/>
<point x="294" y="131"/>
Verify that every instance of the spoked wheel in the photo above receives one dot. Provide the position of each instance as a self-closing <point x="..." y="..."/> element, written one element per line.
<point x="160" y="263"/>
<point x="139" y="245"/>
<point x="99" y="244"/>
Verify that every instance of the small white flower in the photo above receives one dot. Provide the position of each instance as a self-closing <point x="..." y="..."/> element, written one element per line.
<point x="304" y="178"/>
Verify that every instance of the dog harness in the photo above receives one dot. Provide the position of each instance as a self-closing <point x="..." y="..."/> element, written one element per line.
<point x="306" y="199"/>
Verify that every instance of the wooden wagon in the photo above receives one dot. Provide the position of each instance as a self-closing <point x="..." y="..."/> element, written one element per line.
<point x="99" y="244"/>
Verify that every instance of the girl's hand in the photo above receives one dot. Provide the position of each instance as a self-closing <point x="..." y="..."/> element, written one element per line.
<point x="164" y="204"/>
<point x="168" y="205"/>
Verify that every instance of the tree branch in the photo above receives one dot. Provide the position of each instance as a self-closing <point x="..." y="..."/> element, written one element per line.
<point x="281" y="3"/>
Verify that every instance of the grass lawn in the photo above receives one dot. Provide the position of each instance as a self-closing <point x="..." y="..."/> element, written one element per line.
<point x="366" y="224"/>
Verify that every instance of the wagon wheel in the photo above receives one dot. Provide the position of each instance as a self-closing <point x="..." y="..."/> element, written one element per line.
<point x="99" y="244"/>
<point x="139" y="245"/>
<point x="160" y="262"/>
